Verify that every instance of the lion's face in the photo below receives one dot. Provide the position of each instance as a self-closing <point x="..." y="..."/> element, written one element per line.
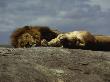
<point x="28" y="40"/>
<point x="28" y="36"/>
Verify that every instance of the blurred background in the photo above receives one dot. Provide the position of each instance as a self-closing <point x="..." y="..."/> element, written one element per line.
<point x="65" y="15"/>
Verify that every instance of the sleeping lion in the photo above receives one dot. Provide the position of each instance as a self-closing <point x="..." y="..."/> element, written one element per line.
<point x="81" y="39"/>
<point x="29" y="36"/>
<point x="75" y="39"/>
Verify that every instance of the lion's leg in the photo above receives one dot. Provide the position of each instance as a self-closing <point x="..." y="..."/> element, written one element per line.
<point x="44" y="43"/>
<point x="81" y="43"/>
<point x="54" y="43"/>
<point x="57" y="42"/>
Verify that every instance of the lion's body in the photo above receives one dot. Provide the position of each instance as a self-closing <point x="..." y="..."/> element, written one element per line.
<point x="81" y="39"/>
<point x="75" y="39"/>
<point x="31" y="35"/>
<point x="84" y="37"/>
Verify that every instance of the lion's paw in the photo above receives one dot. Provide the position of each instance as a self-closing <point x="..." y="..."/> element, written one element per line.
<point x="44" y="42"/>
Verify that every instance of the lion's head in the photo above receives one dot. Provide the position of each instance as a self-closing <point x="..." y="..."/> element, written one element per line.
<point x="27" y="40"/>
<point x="28" y="36"/>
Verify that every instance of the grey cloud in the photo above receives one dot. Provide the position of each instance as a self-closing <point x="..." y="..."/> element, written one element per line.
<point x="105" y="4"/>
<point x="21" y="12"/>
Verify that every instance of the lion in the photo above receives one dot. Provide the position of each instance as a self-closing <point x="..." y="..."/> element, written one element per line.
<point x="80" y="39"/>
<point x="28" y="36"/>
<point x="75" y="39"/>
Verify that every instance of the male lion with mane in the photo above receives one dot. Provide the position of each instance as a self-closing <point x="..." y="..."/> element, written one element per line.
<point x="29" y="36"/>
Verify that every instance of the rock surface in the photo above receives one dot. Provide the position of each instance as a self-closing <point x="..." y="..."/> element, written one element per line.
<point x="50" y="64"/>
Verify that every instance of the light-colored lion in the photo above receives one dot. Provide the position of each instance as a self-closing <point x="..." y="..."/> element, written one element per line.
<point x="29" y="36"/>
<point x="75" y="39"/>
<point x="81" y="39"/>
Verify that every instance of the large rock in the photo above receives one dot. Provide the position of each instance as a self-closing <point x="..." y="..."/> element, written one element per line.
<point x="50" y="64"/>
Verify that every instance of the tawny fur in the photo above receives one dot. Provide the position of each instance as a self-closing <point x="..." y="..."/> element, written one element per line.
<point x="73" y="39"/>
<point x="23" y="36"/>
<point x="102" y="38"/>
<point x="81" y="39"/>
<point x="27" y="40"/>
<point x="102" y="42"/>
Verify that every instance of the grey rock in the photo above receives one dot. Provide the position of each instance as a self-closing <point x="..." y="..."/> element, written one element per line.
<point x="51" y="64"/>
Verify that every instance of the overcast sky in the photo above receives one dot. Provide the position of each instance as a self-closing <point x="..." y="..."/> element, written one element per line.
<point x="66" y="15"/>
